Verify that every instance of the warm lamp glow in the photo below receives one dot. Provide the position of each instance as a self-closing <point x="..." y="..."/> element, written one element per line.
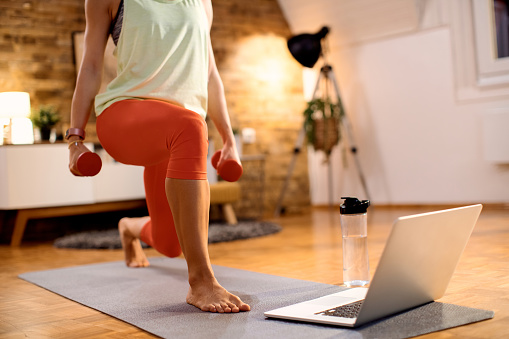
<point x="22" y="131"/>
<point x="15" y="108"/>
<point x="14" y="105"/>
<point x="264" y="60"/>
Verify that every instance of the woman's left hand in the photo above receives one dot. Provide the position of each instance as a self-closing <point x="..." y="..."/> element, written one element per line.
<point x="229" y="151"/>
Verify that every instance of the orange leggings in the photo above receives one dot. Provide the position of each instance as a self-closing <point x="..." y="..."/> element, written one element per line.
<point x="170" y="142"/>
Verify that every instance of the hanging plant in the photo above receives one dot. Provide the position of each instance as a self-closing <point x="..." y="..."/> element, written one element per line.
<point x="322" y="124"/>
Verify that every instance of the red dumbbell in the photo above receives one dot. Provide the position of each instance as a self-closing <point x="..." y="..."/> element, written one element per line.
<point x="89" y="164"/>
<point x="230" y="170"/>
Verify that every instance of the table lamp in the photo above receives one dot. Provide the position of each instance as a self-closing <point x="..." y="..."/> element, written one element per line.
<point x="14" y="116"/>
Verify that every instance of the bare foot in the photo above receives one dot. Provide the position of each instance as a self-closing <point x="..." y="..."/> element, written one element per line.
<point x="129" y="229"/>
<point x="212" y="297"/>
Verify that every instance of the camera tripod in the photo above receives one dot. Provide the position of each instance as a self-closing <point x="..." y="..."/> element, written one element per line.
<point x="326" y="74"/>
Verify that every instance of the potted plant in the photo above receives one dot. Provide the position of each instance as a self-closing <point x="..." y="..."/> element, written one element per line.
<point x="322" y="124"/>
<point x="45" y="118"/>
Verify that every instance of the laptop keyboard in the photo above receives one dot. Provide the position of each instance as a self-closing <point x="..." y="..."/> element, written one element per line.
<point x="344" y="311"/>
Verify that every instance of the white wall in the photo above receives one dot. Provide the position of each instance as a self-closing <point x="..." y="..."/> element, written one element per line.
<point x="418" y="143"/>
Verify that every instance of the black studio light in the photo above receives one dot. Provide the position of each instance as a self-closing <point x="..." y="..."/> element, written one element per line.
<point x="307" y="48"/>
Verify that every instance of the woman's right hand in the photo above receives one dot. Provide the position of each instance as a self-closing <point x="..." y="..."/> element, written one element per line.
<point x="76" y="148"/>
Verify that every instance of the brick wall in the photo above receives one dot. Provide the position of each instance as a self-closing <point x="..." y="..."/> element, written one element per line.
<point x="36" y="51"/>
<point x="263" y="84"/>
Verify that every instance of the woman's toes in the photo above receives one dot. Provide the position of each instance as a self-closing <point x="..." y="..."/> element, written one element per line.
<point x="209" y="308"/>
<point x="226" y="308"/>
<point x="234" y="308"/>
<point x="219" y="308"/>
<point x="245" y="307"/>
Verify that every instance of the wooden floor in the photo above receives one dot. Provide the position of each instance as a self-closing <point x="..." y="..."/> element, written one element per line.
<point x="309" y="248"/>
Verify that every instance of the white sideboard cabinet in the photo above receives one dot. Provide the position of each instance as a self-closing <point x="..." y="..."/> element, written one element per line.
<point x="35" y="181"/>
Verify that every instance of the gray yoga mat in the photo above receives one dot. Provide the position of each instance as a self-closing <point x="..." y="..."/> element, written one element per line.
<point x="153" y="299"/>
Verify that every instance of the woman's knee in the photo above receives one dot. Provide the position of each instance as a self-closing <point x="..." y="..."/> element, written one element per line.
<point x="188" y="159"/>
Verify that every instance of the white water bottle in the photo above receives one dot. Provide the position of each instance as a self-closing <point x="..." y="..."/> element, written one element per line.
<point x="354" y="221"/>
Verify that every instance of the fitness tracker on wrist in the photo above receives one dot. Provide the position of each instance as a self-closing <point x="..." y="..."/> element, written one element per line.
<point x="74" y="131"/>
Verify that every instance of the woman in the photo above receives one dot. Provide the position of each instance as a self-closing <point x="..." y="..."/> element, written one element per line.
<point x="153" y="115"/>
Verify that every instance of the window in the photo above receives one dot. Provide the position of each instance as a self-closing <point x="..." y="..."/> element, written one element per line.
<point x="491" y="36"/>
<point x="501" y="14"/>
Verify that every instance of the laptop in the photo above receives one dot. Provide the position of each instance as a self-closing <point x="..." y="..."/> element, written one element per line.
<point x="418" y="261"/>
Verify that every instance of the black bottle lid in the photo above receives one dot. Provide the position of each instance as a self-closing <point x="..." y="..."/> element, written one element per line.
<point x="353" y="206"/>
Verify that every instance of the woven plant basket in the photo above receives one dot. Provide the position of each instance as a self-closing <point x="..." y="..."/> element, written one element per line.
<point x="326" y="134"/>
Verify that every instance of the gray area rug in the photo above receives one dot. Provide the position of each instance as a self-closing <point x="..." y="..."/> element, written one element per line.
<point x="153" y="299"/>
<point x="218" y="232"/>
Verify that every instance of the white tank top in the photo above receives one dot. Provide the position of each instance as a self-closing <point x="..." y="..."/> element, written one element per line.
<point x="162" y="54"/>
